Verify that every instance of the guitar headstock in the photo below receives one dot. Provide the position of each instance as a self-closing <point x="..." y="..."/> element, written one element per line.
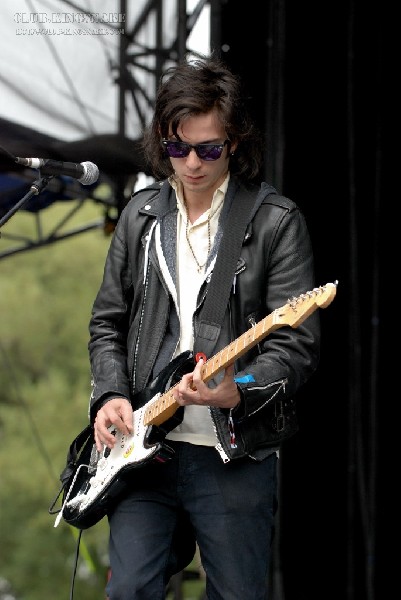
<point x="298" y="309"/>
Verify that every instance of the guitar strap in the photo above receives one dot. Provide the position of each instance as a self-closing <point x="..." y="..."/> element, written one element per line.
<point x="244" y="203"/>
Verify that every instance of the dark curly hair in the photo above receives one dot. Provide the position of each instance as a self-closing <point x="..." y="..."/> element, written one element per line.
<point x="194" y="88"/>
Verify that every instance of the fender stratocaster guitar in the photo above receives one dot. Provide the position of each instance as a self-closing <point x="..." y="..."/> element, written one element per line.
<point x="98" y="477"/>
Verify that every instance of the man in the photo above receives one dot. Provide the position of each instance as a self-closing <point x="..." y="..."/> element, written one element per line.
<point x="219" y="485"/>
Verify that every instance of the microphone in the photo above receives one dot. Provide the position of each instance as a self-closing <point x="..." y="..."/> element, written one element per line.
<point x="86" y="172"/>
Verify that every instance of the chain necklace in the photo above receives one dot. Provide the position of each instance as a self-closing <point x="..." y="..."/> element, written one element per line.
<point x="200" y="267"/>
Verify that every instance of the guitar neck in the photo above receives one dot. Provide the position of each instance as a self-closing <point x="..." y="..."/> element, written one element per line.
<point x="228" y="355"/>
<point x="293" y="313"/>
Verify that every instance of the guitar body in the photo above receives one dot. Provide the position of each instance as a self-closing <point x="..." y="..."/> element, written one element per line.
<point x="98" y="478"/>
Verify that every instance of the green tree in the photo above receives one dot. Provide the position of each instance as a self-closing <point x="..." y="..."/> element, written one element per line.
<point x="45" y="302"/>
<point x="46" y="297"/>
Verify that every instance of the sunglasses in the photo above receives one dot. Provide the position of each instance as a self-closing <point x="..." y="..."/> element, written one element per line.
<point x="204" y="151"/>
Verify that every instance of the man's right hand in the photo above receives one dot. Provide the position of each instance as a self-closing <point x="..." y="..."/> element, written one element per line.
<point x="117" y="412"/>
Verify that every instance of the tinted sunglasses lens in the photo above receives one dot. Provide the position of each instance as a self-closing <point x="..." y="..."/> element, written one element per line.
<point x="209" y="151"/>
<point x="177" y="149"/>
<point x="181" y="150"/>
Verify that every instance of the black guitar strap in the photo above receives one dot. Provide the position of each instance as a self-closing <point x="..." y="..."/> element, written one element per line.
<point x="244" y="203"/>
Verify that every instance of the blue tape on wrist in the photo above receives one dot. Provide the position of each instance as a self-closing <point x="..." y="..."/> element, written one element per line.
<point x="244" y="379"/>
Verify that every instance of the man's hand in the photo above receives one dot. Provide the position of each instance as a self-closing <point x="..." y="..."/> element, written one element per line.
<point x="118" y="412"/>
<point x="192" y="390"/>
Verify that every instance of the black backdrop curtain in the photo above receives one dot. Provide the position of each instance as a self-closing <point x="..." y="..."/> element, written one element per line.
<point x="317" y="78"/>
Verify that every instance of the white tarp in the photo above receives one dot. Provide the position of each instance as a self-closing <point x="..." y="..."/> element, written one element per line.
<point x="59" y="62"/>
<point x="60" y="89"/>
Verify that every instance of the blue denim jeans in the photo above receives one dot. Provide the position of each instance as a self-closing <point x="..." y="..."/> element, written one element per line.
<point x="230" y="508"/>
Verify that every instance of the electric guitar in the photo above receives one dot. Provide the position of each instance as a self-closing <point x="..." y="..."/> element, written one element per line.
<point x="97" y="478"/>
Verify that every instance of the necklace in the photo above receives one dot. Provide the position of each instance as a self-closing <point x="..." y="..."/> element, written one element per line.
<point x="200" y="267"/>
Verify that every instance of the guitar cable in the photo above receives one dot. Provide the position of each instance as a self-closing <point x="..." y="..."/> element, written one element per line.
<point x="73" y="502"/>
<point x="74" y="572"/>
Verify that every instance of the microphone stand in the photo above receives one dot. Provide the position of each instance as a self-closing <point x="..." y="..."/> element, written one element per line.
<point x="36" y="187"/>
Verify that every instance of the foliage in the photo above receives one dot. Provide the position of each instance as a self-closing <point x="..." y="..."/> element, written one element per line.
<point x="45" y="302"/>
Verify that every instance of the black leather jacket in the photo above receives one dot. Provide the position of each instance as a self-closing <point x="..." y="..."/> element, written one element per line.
<point x="134" y="327"/>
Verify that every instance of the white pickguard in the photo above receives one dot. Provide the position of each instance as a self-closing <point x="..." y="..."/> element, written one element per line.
<point x="128" y="451"/>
